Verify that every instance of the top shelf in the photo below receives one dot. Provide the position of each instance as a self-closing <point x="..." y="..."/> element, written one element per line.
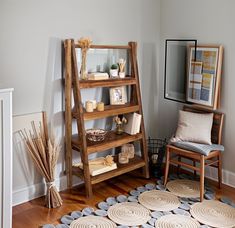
<point x="111" y="82"/>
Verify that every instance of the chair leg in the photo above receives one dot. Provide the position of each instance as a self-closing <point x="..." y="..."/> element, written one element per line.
<point x="202" y="176"/>
<point x="220" y="170"/>
<point x="167" y="165"/>
<point x="179" y="166"/>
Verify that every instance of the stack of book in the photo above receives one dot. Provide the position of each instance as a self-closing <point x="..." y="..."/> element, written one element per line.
<point x="98" y="76"/>
<point x="133" y="123"/>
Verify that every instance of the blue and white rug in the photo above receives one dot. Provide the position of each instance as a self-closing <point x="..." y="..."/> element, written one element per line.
<point x="158" y="218"/>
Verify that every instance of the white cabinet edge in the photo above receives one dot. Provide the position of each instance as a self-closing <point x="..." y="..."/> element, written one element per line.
<point x="6" y="157"/>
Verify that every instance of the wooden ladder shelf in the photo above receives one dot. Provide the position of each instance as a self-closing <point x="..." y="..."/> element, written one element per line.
<point x="78" y="141"/>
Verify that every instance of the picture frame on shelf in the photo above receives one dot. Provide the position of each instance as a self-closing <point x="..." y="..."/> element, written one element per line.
<point x="118" y="95"/>
<point x="204" y="74"/>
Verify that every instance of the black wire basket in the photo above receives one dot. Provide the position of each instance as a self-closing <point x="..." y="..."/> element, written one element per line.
<point x="156" y="152"/>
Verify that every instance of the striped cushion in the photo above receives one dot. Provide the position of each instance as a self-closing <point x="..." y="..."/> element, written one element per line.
<point x="197" y="147"/>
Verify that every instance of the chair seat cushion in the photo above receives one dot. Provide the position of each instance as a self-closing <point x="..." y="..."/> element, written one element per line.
<point x="204" y="149"/>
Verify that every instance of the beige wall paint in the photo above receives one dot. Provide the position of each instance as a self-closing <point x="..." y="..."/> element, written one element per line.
<point x="30" y="60"/>
<point x="209" y="21"/>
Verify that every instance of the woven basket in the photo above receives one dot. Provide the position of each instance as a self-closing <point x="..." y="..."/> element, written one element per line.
<point x="96" y="135"/>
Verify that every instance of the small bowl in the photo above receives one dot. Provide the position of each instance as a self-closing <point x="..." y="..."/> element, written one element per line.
<point x="96" y="135"/>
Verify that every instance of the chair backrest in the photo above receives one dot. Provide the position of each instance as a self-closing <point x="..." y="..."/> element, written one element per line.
<point x="216" y="131"/>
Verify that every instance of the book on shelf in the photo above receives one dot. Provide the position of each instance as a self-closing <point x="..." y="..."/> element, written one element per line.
<point x="133" y="123"/>
<point x="98" y="76"/>
<point x="97" y="167"/>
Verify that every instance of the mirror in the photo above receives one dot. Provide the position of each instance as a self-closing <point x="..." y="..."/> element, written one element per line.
<point x="175" y="68"/>
<point x="193" y="72"/>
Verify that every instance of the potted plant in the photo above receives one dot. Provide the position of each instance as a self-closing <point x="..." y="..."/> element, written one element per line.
<point x="114" y="70"/>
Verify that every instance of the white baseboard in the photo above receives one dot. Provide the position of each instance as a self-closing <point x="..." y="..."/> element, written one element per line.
<point x="228" y="178"/>
<point x="34" y="191"/>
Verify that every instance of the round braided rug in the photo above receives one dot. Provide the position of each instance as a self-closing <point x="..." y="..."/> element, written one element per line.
<point x="129" y="214"/>
<point x="184" y="188"/>
<point x="159" y="200"/>
<point x="172" y="221"/>
<point x="214" y="213"/>
<point x="92" y="221"/>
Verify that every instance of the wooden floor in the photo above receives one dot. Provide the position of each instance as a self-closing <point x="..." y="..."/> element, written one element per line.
<point x="33" y="214"/>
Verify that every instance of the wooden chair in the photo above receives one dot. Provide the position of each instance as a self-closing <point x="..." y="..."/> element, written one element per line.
<point x="213" y="159"/>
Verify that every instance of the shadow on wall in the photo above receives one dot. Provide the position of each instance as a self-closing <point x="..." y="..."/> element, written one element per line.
<point x="53" y="96"/>
<point x="149" y="88"/>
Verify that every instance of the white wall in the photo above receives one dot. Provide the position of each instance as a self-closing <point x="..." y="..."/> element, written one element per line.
<point x="210" y="22"/>
<point x="30" y="60"/>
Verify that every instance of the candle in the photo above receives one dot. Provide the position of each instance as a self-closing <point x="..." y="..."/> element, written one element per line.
<point x="100" y="106"/>
<point x="122" y="159"/>
<point x="94" y="104"/>
<point x="89" y="106"/>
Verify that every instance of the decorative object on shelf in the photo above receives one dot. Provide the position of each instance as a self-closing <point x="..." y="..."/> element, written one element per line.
<point x="121" y="64"/>
<point x="89" y="106"/>
<point x="98" y="76"/>
<point x="96" y="135"/>
<point x="113" y="71"/>
<point x="100" y="106"/>
<point x="85" y="44"/>
<point x="128" y="150"/>
<point x="94" y="104"/>
<point x="133" y="123"/>
<point x="118" y="95"/>
<point x="119" y="121"/>
<point x="123" y="158"/>
<point x="99" y="165"/>
<point x="108" y="161"/>
<point x="44" y="153"/>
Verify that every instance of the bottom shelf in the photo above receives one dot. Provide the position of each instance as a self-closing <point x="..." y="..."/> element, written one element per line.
<point x="134" y="163"/>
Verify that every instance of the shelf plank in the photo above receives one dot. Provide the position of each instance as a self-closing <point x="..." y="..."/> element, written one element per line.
<point x="111" y="82"/>
<point x="134" y="163"/>
<point x="109" y="110"/>
<point x="111" y="140"/>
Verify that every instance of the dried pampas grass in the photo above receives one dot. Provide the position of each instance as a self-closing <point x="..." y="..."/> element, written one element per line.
<point x="44" y="153"/>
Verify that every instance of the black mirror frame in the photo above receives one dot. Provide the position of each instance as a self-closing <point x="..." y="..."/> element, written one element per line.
<point x="166" y="41"/>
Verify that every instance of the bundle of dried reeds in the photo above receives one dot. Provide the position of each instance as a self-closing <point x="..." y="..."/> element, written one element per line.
<point x="44" y="153"/>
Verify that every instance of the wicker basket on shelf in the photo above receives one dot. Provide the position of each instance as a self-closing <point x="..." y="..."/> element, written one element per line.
<point x="96" y="135"/>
